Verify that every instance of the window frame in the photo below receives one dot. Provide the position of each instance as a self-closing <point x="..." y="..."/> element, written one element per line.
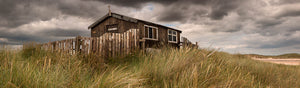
<point x="148" y="33"/>
<point x="172" y="36"/>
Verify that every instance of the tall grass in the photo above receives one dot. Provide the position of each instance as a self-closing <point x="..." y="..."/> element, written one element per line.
<point x="188" y="67"/>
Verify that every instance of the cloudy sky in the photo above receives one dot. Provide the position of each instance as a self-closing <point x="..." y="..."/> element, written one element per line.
<point x="267" y="27"/>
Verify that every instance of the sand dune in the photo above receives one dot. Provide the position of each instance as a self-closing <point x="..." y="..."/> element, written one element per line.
<point x="286" y="61"/>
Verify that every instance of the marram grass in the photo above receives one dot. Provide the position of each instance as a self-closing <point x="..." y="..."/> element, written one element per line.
<point x="167" y="68"/>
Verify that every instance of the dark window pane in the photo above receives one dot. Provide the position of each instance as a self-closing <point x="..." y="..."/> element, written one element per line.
<point x="155" y="33"/>
<point x="174" y="32"/>
<point x="170" y="37"/>
<point x="146" y="32"/>
<point x="150" y="32"/>
<point x="174" y="38"/>
<point x="170" y="32"/>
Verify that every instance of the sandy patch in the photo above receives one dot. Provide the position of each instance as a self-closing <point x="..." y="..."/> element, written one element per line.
<point x="290" y="61"/>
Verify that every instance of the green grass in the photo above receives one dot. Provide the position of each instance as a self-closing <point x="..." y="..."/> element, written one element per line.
<point x="181" y="68"/>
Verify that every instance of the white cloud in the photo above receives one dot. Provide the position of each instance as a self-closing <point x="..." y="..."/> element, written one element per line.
<point x="61" y="22"/>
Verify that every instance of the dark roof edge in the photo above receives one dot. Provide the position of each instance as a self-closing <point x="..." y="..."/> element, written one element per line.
<point x="161" y="25"/>
<point x="98" y="21"/>
<point x="132" y="20"/>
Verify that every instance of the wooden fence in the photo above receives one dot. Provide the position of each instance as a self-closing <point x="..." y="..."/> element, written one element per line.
<point x="187" y="43"/>
<point x="108" y="45"/>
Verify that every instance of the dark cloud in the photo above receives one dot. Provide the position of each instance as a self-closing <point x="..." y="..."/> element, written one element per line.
<point x="18" y="12"/>
<point x="274" y="27"/>
<point x="173" y="16"/>
<point x="218" y="19"/>
<point x="234" y="28"/>
<point x="136" y="3"/>
<point x="64" y="33"/>
<point x="140" y="3"/>
<point x="177" y="9"/>
<point x="281" y="2"/>
<point x="46" y="35"/>
<point x="289" y="13"/>
<point x="277" y="44"/>
<point x="221" y="8"/>
<point x="200" y="12"/>
<point x="81" y="8"/>
<point x="14" y="13"/>
<point x="268" y="22"/>
<point x="19" y="38"/>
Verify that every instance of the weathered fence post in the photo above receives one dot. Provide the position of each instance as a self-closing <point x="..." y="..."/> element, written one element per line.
<point x="197" y="45"/>
<point x="77" y="44"/>
<point x="107" y="45"/>
<point x="143" y="45"/>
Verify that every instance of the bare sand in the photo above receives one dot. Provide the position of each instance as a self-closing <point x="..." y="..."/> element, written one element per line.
<point x="285" y="61"/>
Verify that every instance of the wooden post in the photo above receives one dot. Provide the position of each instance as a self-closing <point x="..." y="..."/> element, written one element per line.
<point x="122" y="44"/>
<point x="72" y="46"/>
<point x="137" y="38"/>
<point x="143" y="45"/>
<point x="83" y="45"/>
<point x="77" y="44"/>
<point x="196" y="44"/>
<point x="101" y="46"/>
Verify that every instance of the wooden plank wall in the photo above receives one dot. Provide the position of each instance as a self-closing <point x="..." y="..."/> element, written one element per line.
<point x="107" y="45"/>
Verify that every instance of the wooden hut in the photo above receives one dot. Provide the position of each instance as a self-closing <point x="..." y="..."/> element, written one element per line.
<point x="151" y="34"/>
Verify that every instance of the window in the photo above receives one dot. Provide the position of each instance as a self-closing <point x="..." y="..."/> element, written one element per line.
<point x="113" y="27"/>
<point x="172" y="36"/>
<point x="151" y="32"/>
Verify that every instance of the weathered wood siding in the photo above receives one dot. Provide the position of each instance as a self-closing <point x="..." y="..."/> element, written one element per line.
<point x="123" y="26"/>
<point x="107" y="45"/>
<point x="162" y="36"/>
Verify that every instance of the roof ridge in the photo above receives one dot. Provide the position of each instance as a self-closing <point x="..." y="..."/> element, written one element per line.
<point x="122" y="18"/>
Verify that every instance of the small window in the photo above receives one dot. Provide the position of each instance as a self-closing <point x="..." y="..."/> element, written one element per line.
<point x="151" y="32"/>
<point x="113" y="27"/>
<point x="172" y="36"/>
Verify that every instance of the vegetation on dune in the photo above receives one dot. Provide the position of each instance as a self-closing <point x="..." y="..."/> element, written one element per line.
<point x="188" y="67"/>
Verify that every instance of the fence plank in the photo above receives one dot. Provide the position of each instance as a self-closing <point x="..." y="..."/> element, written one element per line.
<point x="119" y="44"/>
<point x="100" y="45"/>
<point x="128" y="37"/>
<point x="113" y="44"/>
<point x="107" y="45"/>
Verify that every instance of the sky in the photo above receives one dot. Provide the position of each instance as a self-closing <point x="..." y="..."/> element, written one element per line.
<point x="268" y="27"/>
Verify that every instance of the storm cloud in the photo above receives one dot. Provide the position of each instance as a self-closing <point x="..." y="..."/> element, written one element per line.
<point x="18" y="12"/>
<point x="236" y="26"/>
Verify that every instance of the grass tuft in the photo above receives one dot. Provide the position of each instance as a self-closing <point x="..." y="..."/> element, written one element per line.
<point x="168" y="67"/>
